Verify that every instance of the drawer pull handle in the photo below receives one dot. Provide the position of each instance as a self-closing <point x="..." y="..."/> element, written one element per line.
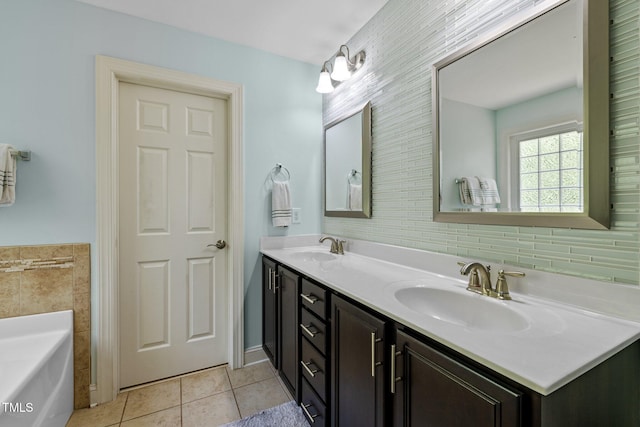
<point x="307" y="329"/>
<point x="311" y="299"/>
<point x="306" y="411"/>
<point x="306" y="366"/>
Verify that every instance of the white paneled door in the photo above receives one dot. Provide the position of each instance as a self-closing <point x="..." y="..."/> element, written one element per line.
<point x="172" y="211"/>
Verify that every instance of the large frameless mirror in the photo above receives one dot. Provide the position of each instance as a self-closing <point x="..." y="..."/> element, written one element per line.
<point x="521" y="122"/>
<point x="347" y="173"/>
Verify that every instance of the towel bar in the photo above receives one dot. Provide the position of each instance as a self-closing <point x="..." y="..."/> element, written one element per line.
<point x="21" y="155"/>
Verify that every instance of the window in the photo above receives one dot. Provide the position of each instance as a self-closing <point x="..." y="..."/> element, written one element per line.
<point x="550" y="170"/>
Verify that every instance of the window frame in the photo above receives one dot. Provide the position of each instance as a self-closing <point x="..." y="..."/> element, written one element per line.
<point x="514" y="157"/>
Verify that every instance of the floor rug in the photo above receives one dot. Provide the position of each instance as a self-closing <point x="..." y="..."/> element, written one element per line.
<point x="286" y="415"/>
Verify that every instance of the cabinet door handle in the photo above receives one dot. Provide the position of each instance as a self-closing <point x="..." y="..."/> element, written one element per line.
<point x="270" y="277"/>
<point x="305" y="365"/>
<point x="275" y="281"/>
<point x="374" y="340"/>
<point x="311" y="299"/>
<point x="307" y="329"/>
<point x="394" y="379"/>
<point x="306" y="411"/>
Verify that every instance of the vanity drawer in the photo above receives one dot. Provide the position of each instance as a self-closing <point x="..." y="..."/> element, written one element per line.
<point x="314" y="330"/>
<point x="313" y="369"/>
<point x="312" y="407"/>
<point x="314" y="298"/>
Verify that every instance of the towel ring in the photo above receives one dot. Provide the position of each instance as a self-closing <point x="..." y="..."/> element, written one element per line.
<point x="353" y="174"/>
<point x="279" y="169"/>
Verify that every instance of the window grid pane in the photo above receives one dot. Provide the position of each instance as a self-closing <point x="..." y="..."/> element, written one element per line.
<point x="551" y="173"/>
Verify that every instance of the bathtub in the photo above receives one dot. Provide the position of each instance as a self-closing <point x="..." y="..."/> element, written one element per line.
<point x="36" y="370"/>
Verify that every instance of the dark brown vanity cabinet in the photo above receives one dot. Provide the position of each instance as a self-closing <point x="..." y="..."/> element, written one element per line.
<point x="280" y="289"/>
<point x="357" y="367"/>
<point x="269" y="311"/>
<point x="338" y="358"/>
<point x="432" y="389"/>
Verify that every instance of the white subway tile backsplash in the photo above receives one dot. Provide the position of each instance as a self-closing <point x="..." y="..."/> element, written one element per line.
<point x="402" y="42"/>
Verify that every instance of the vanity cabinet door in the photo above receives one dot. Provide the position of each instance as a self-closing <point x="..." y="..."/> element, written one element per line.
<point x="269" y="311"/>
<point x="357" y="369"/>
<point x="287" y="290"/>
<point x="432" y="389"/>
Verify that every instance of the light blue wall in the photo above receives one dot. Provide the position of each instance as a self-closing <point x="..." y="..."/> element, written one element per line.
<point x="550" y="109"/>
<point x="467" y="147"/>
<point x="47" y="105"/>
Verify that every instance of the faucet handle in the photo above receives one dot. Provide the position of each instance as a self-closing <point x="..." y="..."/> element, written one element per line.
<point x="502" y="289"/>
<point x="512" y="273"/>
<point x="341" y="246"/>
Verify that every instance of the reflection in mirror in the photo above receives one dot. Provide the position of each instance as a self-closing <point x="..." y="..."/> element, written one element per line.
<point x="348" y="165"/>
<point x="512" y="130"/>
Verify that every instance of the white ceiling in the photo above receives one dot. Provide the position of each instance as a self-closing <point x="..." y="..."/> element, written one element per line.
<point x="305" y="30"/>
<point x="540" y="58"/>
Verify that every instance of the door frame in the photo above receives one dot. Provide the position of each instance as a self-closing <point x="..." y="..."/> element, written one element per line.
<point x="109" y="73"/>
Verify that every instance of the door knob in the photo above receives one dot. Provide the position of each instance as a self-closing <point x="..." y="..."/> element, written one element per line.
<point x="220" y="244"/>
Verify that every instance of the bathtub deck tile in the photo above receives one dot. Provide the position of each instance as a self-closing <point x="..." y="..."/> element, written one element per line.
<point x="43" y="291"/>
<point x="81" y="312"/>
<point x="82" y="379"/>
<point x="9" y="253"/>
<point x="46" y="251"/>
<point x="82" y="350"/>
<point x="9" y="294"/>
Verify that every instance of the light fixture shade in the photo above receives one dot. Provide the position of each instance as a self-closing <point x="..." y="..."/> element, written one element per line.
<point x="324" y="83"/>
<point x="340" y="69"/>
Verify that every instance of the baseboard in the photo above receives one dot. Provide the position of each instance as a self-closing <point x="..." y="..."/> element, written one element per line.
<point x="254" y="355"/>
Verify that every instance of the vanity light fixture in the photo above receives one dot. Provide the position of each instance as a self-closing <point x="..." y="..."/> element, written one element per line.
<point x="324" y="82"/>
<point x="343" y="67"/>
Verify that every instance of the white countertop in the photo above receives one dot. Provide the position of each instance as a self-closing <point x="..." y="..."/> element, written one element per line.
<point x="555" y="344"/>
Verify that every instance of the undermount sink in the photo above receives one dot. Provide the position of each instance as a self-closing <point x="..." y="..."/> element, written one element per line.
<point x="471" y="311"/>
<point x="314" y="256"/>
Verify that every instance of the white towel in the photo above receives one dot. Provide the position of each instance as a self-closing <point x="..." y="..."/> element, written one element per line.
<point x="469" y="187"/>
<point x="355" y="197"/>
<point x="281" y="204"/>
<point x="478" y="191"/>
<point x="488" y="191"/>
<point x="7" y="176"/>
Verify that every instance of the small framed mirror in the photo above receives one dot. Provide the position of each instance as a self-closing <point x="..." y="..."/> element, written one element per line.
<point x="347" y="160"/>
<point x="521" y="122"/>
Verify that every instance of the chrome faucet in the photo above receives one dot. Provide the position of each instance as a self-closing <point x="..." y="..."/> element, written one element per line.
<point x="480" y="280"/>
<point x="336" y="245"/>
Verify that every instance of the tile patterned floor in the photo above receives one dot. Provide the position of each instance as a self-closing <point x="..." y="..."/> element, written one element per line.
<point x="205" y="398"/>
